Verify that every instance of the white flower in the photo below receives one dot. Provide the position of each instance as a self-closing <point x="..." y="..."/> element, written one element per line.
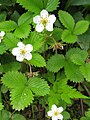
<point x="44" y="20"/>
<point x="22" y="52"/>
<point x="55" y="113"/>
<point x="2" y="33"/>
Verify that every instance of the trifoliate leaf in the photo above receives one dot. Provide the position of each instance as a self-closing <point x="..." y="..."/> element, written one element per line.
<point x="72" y="72"/>
<point x="68" y="37"/>
<point x="37" y="60"/>
<point x="77" y="56"/>
<point x="38" y="86"/>
<point x="33" y="5"/>
<point x="81" y="27"/>
<point x="55" y="63"/>
<point x="66" y="19"/>
<point x="85" y="69"/>
<point x="52" y="5"/>
<point x="7" y="26"/>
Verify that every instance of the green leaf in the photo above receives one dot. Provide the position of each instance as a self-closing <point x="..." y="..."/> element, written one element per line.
<point x="31" y="5"/>
<point x="57" y="32"/>
<point x="68" y="37"/>
<point x="3" y="49"/>
<point x="72" y="72"/>
<point x="2" y="16"/>
<point x="55" y="63"/>
<point x="13" y="79"/>
<point x="52" y="5"/>
<point x="9" y="66"/>
<point x="21" y="97"/>
<point x="1" y="106"/>
<point x="23" y="30"/>
<point x="85" y="69"/>
<point x="35" y="39"/>
<point x="7" y="26"/>
<point x="77" y="56"/>
<point x="37" y="60"/>
<point x="80" y="2"/>
<point x="38" y="86"/>
<point x="18" y="117"/>
<point x="66" y="19"/>
<point x="81" y="27"/>
<point x="25" y="18"/>
<point x="10" y="41"/>
<point x="5" y="115"/>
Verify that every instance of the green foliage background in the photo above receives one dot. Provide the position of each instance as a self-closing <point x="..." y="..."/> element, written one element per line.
<point x="59" y="71"/>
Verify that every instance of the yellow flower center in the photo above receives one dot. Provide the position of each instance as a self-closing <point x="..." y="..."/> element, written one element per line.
<point x="23" y="51"/>
<point x="56" y="113"/>
<point x="44" y="21"/>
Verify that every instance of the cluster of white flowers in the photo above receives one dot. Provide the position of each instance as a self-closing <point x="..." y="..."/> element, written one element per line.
<point x="22" y="52"/>
<point x="44" y="20"/>
<point x="2" y="33"/>
<point x="55" y="113"/>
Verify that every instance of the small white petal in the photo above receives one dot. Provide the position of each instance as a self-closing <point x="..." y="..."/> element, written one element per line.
<point x="51" y="18"/>
<point x="28" y="56"/>
<point x="37" y="19"/>
<point x="44" y="14"/>
<point x="54" y="107"/>
<point x="54" y="118"/>
<point x="2" y="33"/>
<point x="39" y="27"/>
<point x="20" y="44"/>
<point x="28" y="47"/>
<point x="20" y="58"/>
<point x="50" y="113"/>
<point x="60" y="109"/>
<point x="49" y="27"/>
<point x="60" y="117"/>
<point x="0" y="40"/>
<point x="15" y="51"/>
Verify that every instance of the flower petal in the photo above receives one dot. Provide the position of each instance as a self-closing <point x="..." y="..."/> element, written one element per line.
<point x="2" y="33"/>
<point x="51" y="18"/>
<point x="49" y="27"/>
<point x="29" y="48"/>
<point x="60" y="109"/>
<point x="44" y="14"/>
<point x="20" y="44"/>
<point x="37" y="19"/>
<point x="54" y="107"/>
<point x="0" y="40"/>
<point x="20" y="58"/>
<point x="28" y="56"/>
<point x="39" y="27"/>
<point x="50" y="113"/>
<point x="54" y="118"/>
<point x="15" y="51"/>
<point x="60" y="117"/>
